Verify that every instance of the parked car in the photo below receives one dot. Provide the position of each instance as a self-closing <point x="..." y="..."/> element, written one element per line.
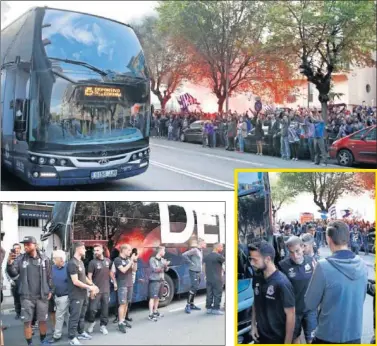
<point x="371" y="243"/>
<point x="194" y="133"/>
<point x="359" y="147"/>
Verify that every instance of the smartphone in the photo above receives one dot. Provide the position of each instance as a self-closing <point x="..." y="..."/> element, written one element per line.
<point x="134" y="251"/>
<point x="13" y="251"/>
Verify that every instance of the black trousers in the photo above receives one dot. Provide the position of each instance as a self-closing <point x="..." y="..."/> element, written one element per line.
<point x="16" y="297"/>
<point x="214" y="294"/>
<point x="77" y="311"/>
<point x="99" y="303"/>
<point x="319" y="341"/>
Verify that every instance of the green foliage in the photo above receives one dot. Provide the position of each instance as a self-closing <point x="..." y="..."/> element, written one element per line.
<point x="282" y="195"/>
<point x="326" y="188"/>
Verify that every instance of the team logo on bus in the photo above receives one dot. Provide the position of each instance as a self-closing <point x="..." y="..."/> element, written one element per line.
<point x="270" y="290"/>
<point x="256" y="289"/>
<point x="104" y="160"/>
<point x="308" y="268"/>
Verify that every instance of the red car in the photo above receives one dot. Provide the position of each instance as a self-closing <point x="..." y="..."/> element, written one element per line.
<point x="360" y="147"/>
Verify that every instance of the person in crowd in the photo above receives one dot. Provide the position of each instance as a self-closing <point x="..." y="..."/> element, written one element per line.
<point x="273" y="311"/>
<point x="78" y="287"/>
<point x="99" y="272"/>
<point x="371" y="290"/>
<point x="213" y="268"/>
<point x="319" y="140"/>
<point x="259" y="134"/>
<point x="114" y="255"/>
<point x="364" y="236"/>
<point x="15" y="284"/>
<point x="35" y="289"/>
<point x="60" y="293"/>
<point x="308" y="246"/>
<point x="231" y="133"/>
<point x="241" y="133"/>
<point x="285" y="150"/>
<point x="195" y="258"/>
<point x="2" y="257"/>
<point x="355" y="240"/>
<point x="125" y="264"/>
<point x="299" y="270"/>
<point x="158" y="266"/>
<point x="338" y="287"/>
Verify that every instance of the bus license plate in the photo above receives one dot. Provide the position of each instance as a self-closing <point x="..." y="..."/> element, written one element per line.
<point x="104" y="174"/>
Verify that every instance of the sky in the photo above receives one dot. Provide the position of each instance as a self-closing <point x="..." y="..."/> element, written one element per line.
<point x="304" y="203"/>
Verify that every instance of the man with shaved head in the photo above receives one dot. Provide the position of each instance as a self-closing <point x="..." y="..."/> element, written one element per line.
<point x="213" y="268"/>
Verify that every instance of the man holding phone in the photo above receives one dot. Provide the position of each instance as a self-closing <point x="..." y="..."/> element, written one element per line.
<point x="159" y="266"/>
<point x="125" y="265"/>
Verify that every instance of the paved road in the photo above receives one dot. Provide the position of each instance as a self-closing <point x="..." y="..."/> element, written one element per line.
<point x="183" y="166"/>
<point x="368" y="304"/>
<point x="175" y="328"/>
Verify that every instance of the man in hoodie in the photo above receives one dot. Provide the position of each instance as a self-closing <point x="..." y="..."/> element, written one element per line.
<point x="338" y="287"/>
<point x="195" y="257"/>
<point x="34" y="270"/>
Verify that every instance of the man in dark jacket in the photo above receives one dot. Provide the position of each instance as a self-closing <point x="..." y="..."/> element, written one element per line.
<point x="34" y="270"/>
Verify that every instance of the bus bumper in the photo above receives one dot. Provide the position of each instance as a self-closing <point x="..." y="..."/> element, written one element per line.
<point x="80" y="176"/>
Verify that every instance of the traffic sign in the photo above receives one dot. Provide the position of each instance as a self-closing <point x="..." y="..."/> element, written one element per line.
<point x="258" y="106"/>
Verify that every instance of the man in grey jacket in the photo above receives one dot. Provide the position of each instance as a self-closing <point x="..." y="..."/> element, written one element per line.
<point x="34" y="270"/>
<point x="195" y="257"/>
<point x="158" y="267"/>
<point x="338" y="286"/>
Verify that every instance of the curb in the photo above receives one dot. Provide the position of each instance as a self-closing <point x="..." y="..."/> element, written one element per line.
<point x="7" y="311"/>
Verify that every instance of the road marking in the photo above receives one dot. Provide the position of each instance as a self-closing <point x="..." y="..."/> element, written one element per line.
<point x="211" y="155"/>
<point x="179" y="309"/>
<point x="194" y="175"/>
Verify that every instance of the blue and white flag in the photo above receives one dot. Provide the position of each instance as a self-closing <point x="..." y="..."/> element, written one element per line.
<point x="333" y="213"/>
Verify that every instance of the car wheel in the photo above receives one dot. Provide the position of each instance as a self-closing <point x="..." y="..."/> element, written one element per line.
<point x="345" y="158"/>
<point x="167" y="291"/>
<point x="183" y="137"/>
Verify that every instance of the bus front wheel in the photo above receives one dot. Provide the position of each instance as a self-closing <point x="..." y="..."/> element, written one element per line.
<point x="167" y="291"/>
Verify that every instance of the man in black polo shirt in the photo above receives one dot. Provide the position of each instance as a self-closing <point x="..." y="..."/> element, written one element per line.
<point x="78" y="284"/>
<point x="273" y="317"/>
<point x="125" y="264"/>
<point x="299" y="270"/>
<point x="99" y="271"/>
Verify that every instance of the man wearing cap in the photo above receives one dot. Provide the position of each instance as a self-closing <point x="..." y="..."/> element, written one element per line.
<point x="308" y="246"/>
<point x="34" y="270"/>
<point x="195" y="257"/>
<point x="78" y="285"/>
<point x="273" y="312"/>
<point x="299" y="270"/>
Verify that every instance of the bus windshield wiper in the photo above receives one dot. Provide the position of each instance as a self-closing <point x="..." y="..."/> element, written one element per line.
<point x="82" y="63"/>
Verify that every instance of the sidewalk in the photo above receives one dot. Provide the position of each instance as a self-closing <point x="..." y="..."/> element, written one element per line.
<point x="7" y="306"/>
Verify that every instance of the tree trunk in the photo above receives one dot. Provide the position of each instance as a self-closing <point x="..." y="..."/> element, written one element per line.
<point x="163" y="102"/>
<point x="220" y="102"/>
<point x="324" y="111"/>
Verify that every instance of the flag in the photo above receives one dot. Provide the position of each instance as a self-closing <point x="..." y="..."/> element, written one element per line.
<point x="333" y="213"/>
<point x="186" y="100"/>
<point x="346" y="213"/>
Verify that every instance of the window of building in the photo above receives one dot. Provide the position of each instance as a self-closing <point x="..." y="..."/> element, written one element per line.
<point x="24" y="222"/>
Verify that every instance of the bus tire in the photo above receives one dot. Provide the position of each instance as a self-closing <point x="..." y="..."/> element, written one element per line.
<point x="168" y="291"/>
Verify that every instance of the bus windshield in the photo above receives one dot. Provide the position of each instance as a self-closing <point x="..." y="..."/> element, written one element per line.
<point x="97" y="89"/>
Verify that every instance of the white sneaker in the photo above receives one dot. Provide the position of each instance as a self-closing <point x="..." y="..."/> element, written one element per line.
<point x="75" y="342"/>
<point x="91" y="327"/>
<point x="84" y="336"/>
<point x="103" y="330"/>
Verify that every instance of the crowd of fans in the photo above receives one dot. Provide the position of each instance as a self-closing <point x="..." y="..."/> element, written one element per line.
<point x="283" y="129"/>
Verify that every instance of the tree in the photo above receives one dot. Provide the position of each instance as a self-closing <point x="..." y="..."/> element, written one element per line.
<point x="326" y="188"/>
<point x="281" y="195"/>
<point x="368" y="180"/>
<point x="325" y="36"/>
<point x="167" y="58"/>
<point x="227" y="38"/>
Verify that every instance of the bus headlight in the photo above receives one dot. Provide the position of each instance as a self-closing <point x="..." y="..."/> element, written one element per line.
<point x="35" y="174"/>
<point x="33" y="159"/>
<point x="63" y="162"/>
<point x="134" y="157"/>
<point x="140" y="154"/>
<point x="41" y="160"/>
<point x="52" y="161"/>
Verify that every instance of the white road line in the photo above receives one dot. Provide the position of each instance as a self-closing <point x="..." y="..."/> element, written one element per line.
<point x="210" y="155"/>
<point x="194" y="175"/>
<point x="179" y="309"/>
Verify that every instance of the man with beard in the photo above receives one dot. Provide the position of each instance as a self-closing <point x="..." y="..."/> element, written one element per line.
<point x="78" y="284"/>
<point x="273" y="314"/>
<point x="308" y="246"/>
<point x="338" y="287"/>
<point x="299" y="269"/>
<point x="34" y="271"/>
<point x="99" y="272"/>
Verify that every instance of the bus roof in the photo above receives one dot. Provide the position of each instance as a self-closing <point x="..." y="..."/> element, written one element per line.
<point x="60" y="9"/>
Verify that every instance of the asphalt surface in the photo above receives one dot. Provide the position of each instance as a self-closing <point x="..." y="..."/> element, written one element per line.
<point x="175" y="328"/>
<point x="181" y="166"/>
